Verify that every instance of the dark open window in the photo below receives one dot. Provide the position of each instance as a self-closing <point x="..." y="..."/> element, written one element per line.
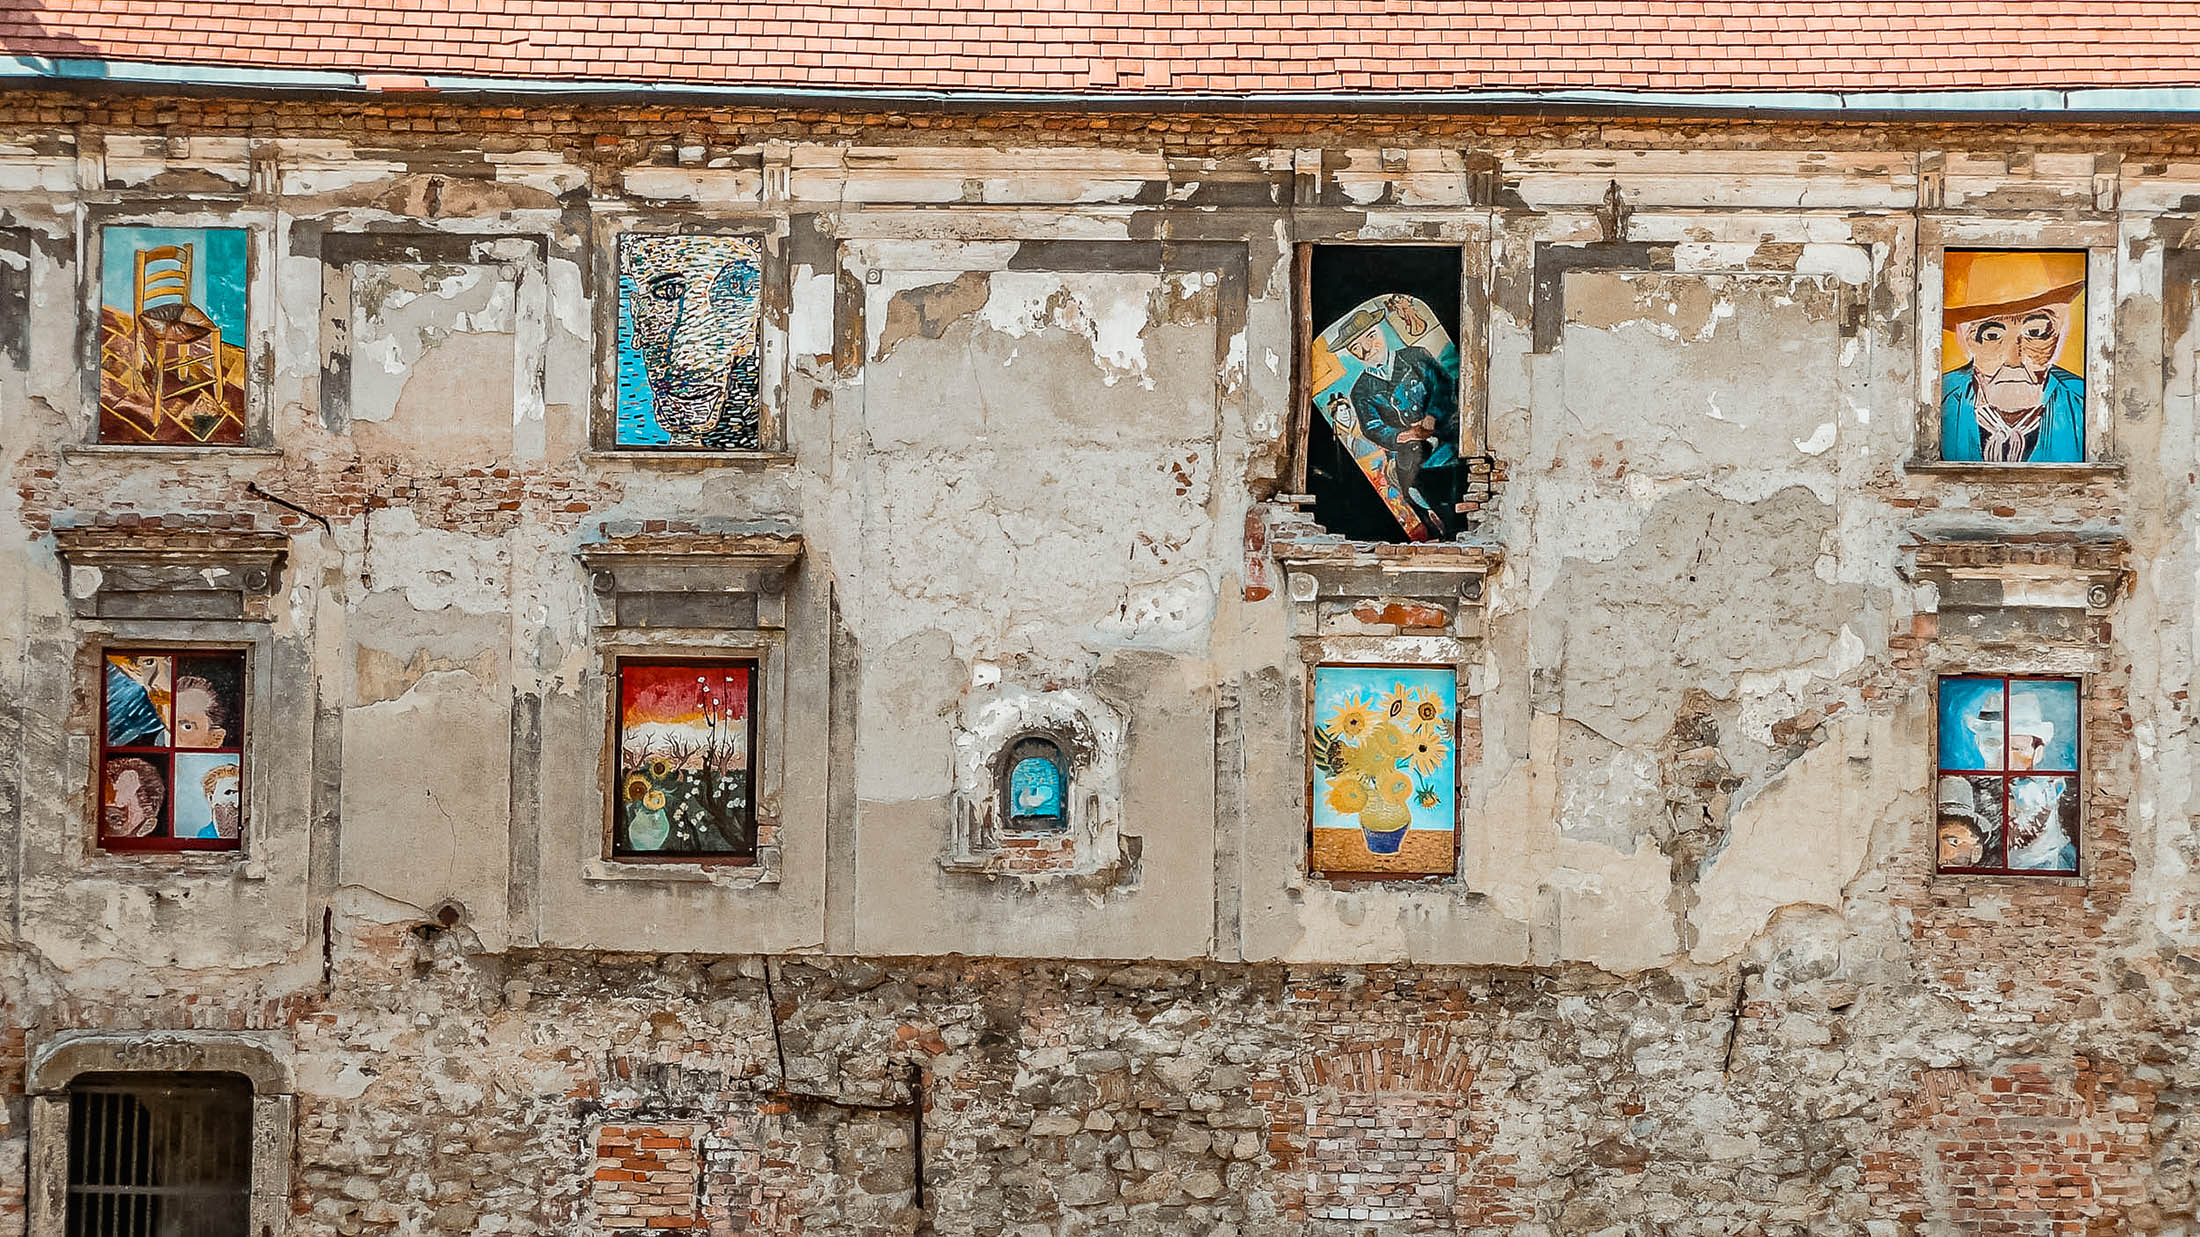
<point x="1035" y="786"/>
<point x="2006" y="799"/>
<point x="171" y="754"/>
<point x="1380" y="382"/>
<point x="686" y="738"/>
<point x="160" y="1155"/>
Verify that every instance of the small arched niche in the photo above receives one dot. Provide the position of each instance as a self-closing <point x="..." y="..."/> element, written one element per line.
<point x="1034" y="783"/>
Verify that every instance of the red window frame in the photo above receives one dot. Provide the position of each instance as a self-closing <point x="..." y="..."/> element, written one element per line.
<point x="167" y="753"/>
<point x="2006" y="775"/>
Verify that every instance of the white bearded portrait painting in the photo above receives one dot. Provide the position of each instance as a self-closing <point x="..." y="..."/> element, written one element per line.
<point x="688" y="358"/>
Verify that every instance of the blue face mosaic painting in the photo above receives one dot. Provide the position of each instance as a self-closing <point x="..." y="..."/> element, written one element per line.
<point x="689" y="366"/>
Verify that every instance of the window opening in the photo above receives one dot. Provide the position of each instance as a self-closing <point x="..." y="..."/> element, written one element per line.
<point x="1382" y="443"/>
<point x="686" y="745"/>
<point x="171" y="760"/>
<point x="2006" y="799"/>
<point x="2012" y="356"/>
<point x="159" y="1155"/>
<point x="1036" y="792"/>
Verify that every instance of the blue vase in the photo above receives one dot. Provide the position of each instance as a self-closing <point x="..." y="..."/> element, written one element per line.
<point x="1383" y="843"/>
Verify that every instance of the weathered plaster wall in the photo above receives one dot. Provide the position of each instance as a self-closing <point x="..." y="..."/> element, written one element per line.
<point x="1028" y="406"/>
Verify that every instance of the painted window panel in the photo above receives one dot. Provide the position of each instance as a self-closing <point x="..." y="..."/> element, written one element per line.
<point x="1384" y="771"/>
<point x="1995" y="811"/>
<point x="171" y="764"/>
<point x="2013" y="356"/>
<point x="1038" y="786"/>
<point x="689" y="358"/>
<point x="1383" y="374"/>
<point x="686" y="741"/>
<point x="172" y="332"/>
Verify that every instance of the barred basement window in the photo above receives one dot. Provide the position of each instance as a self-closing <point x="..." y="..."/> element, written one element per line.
<point x="686" y="741"/>
<point x="2007" y="796"/>
<point x="159" y="1155"/>
<point x="171" y="754"/>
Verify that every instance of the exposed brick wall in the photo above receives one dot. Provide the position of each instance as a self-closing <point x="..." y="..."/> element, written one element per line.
<point x="646" y="1177"/>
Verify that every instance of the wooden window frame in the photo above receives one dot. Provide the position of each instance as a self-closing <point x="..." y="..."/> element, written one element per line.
<point x="2005" y="775"/>
<point x="754" y="665"/>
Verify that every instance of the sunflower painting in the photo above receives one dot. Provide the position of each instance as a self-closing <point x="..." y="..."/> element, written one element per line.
<point x="1384" y="777"/>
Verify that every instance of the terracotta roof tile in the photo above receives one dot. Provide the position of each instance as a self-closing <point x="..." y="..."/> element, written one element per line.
<point x="1127" y="46"/>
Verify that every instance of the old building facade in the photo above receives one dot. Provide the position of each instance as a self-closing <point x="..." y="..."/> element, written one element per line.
<point x="1800" y="838"/>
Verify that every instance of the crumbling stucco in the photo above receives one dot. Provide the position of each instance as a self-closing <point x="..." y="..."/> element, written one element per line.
<point x="1030" y="410"/>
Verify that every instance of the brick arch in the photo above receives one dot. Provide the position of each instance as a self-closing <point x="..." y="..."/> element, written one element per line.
<point x="1424" y="1061"/>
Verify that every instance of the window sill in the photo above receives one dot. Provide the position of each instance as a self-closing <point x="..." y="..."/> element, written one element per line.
<point x="675" y="457"/>
<point x="741" y="873"/>
<point x="1972" y="470"/>
<point x="2014" y="880"/>
<point x="167" y="451"/>
<point x="233" y="863"/>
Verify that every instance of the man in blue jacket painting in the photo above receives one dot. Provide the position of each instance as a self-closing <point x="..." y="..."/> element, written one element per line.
<point x="2011" y="404"/>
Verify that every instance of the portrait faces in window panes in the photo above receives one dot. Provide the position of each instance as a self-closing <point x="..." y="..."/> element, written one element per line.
<point x="172" y="749"/>
<point x="2006" y="798"/>
<point x="2013" y="357"/>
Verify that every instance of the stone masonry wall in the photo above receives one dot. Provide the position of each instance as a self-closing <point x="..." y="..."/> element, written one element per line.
<point x="1029" y="460"/>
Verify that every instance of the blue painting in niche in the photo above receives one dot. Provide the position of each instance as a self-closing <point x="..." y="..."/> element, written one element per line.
<point x="1035" y="789"/>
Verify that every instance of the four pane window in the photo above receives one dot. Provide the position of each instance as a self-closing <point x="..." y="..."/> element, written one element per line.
<point x="171" y="759"/>
<point x="2007" y="794"/>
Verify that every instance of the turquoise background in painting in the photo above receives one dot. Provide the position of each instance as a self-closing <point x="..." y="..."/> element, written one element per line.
<point x="1035" y="788"/>
<point x="1334" y="685"/>
<point x="637" y="404"/>
<point x="2058" y="705"/>
<point x="220" y="271"/>
<point x="1960" y="700"/>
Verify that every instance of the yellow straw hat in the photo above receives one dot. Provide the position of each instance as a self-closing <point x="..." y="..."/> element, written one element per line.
<point x="1993" y="285"/>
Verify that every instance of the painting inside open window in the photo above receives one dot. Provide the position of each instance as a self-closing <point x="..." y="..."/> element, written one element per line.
<point x="2012" y="349"/>
<point x="689" y="363"/>
<point x="687" y="742"/>
<point x="2007" y="796"/>
<point x="1385" y="771"/>
<point x="1036" y="789"/>
<point x="172" y="332"/>
<point x="1382" y="448"/>
<point x="171" y="761"/>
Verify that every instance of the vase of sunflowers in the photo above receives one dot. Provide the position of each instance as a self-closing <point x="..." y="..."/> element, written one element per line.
<point x="1379" y="756"/>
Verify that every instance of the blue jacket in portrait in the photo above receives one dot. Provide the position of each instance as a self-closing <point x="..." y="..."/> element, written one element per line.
<point x="1415" y="387"/>
<point x="2062" y="431"/>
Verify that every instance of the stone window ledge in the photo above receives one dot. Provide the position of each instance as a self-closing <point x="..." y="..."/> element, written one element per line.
<point x="165" y="573"/>
<point x="747" y="874"/>
<point x="680" y="459"/>
<point x="734" y="582"/>
<point x="1984" y="568"/>
<point x="167" y="451"/>
<point x="1352" y="588"/>
<point x="143" y="866"/>
<point x="2000" y="474"/>
<point x="2012" y="880"/>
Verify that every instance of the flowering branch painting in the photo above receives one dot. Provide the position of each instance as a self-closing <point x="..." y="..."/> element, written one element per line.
<point x="685" y="736"/>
